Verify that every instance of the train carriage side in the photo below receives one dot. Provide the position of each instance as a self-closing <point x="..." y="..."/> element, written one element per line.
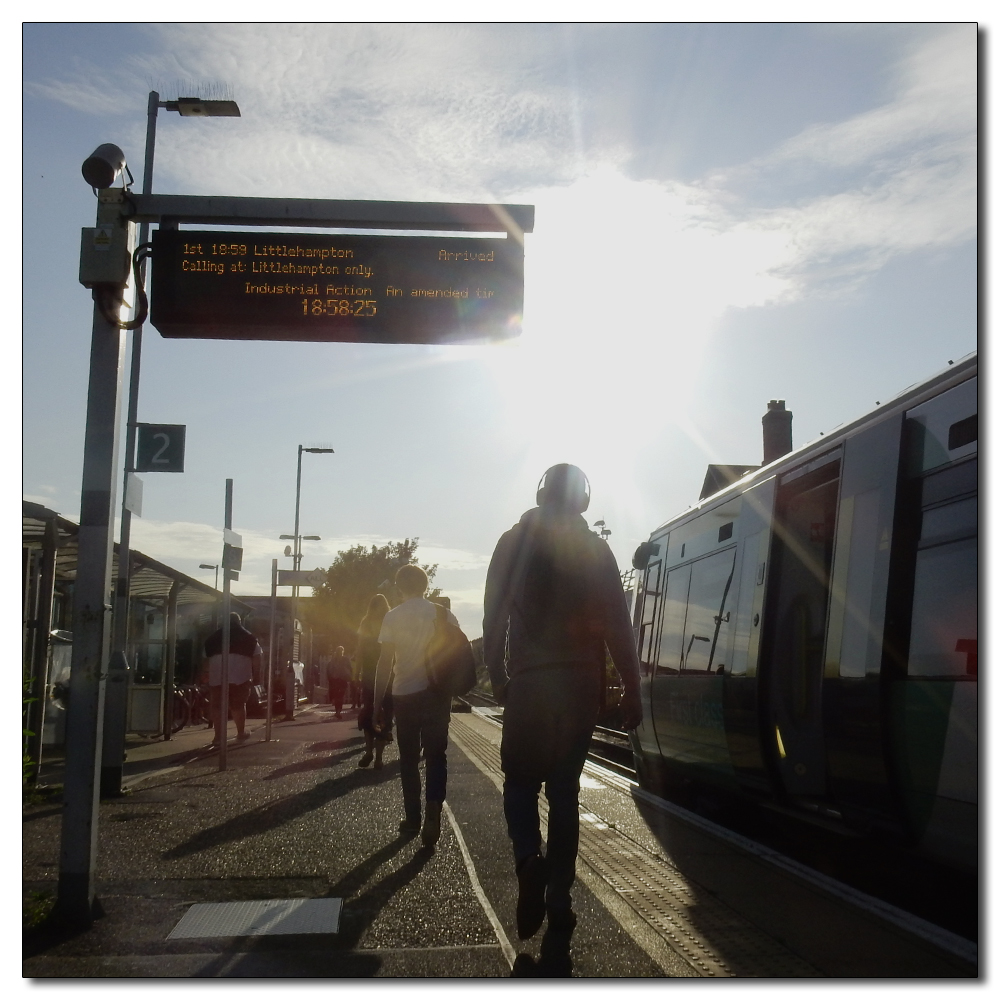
<point x="808" y="636"/>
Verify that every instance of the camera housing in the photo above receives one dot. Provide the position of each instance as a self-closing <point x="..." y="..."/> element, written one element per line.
<point x="103" y="165"/>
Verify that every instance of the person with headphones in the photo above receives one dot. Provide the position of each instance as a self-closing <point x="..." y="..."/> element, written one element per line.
<point x="554" y="603"/>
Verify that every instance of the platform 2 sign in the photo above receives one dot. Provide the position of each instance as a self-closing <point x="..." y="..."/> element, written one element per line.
<point x="353" y="288"/>
<point x="160" y="447"/>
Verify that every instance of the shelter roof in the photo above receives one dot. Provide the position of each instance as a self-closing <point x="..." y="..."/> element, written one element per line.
<point x="150" y="579"/>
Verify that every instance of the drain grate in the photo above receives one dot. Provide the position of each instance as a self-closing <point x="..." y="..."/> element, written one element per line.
<point x="257" y="917"/>
<point x="714" y="939"/>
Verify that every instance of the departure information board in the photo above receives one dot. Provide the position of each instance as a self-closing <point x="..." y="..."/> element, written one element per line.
<point x="354" y="288"/>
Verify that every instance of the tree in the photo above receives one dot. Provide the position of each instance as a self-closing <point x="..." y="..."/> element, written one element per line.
<point x="354" y="577"/>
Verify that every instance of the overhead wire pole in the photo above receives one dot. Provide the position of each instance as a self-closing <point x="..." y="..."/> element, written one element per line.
<point x="116" y="697"/>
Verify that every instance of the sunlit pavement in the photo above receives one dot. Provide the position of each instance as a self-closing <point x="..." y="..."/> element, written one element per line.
<point x="295" y="817"/>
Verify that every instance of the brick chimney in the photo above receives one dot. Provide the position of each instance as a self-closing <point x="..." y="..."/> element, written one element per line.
<point x="777" y="424"/>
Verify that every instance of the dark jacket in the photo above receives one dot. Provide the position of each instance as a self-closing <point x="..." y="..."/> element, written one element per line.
<point x="339" y="669"/>
<point x="241" y="641"/>
<point x="554" y="595"/>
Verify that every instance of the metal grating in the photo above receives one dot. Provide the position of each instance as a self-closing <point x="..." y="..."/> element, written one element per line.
<point x="258" y="917"/>
<point x="713" y="938"/>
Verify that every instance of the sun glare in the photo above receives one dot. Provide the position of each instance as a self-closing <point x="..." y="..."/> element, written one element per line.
<point x="625" y="282"/>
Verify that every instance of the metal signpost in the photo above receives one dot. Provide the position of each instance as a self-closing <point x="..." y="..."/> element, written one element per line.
<point x="437" y="278"/>
<point x="76" y="903"/>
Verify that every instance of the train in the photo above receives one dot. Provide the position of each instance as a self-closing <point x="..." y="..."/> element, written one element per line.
<point x="808" y="632"/>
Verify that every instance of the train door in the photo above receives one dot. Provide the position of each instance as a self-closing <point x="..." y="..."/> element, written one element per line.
<point x="932" y="695"/>
<point x="740" y="702"/>
<point x="795" y="624"/>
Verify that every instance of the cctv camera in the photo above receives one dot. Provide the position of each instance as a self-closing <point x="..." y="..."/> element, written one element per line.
<point x="103" y="165"/>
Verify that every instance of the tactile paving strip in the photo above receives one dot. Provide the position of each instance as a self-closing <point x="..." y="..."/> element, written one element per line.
<point x="714" y="939"/>
<point x="256" y="917"/>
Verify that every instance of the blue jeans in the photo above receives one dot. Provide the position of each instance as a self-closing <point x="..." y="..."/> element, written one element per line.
<point x="422" y="718"/>
<point x="549" y="718"/>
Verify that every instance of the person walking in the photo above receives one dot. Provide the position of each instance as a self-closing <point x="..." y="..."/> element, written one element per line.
<point x="378" y="731"/>
<point x="244" y="664"/>
<point x="338" y="677"/>
<point x="553" y="604"/>
<point x="422" y="713"/>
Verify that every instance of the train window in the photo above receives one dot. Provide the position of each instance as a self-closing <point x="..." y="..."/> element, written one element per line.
<point x="650" y="602"/>
<point x="854" y="606"/>
<point x="675" y="596"/>
<point x="726" y="531"/>
<point x="706" y="630"/>
<point x="744" y="617"/>
<point x="963" y="432"/>
<point x="945" y="624"/>
<point x="944" y="429"/>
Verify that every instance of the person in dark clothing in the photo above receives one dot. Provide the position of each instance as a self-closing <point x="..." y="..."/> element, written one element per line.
<point x="338" y="677"/>
<point x="378" y="732"/>
<point x="244" y="664"/>
<point x="553" y="605"/>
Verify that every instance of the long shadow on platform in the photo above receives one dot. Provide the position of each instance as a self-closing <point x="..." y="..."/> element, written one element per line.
<point x="317" y="763"/>
<point x="276" y="814"/>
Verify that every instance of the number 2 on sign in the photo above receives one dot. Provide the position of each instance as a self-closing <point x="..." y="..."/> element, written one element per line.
<point x="166" y="444"/>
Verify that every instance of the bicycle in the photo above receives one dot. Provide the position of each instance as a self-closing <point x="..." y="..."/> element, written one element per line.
<point x="190" y="706"/>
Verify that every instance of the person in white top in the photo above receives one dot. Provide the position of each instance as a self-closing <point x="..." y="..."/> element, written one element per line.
<point x="422" y="713"/>
<point x="244" y="663"/>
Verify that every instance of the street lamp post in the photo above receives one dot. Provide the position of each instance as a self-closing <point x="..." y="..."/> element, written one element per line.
<point x="116" y="697"/>
<point x="297" y="551"/>
<point x="214" y="566"/>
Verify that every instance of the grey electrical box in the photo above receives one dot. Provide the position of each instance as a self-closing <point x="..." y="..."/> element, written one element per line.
<point x="105" y="255"/>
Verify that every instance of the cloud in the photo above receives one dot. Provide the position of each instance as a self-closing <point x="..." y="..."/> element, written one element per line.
<point x="849" y="196"/>
<point x="85" y="95"/>
<point x="392" y="111"/>
<point x="176" y="542"/>
<point x="44" y="496"/>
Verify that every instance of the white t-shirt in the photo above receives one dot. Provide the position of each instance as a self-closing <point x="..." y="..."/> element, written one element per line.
<point x="410" y="627"/>
<point x="240" y="668"/>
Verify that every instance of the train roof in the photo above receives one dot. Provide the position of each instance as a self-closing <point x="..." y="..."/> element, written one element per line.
<point x="953" y="374"/>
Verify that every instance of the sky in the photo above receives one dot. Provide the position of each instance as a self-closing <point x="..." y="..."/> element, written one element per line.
<point x="725" y="214"/>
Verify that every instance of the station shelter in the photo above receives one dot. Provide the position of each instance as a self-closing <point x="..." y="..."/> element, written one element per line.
<point x="170" y="616"/>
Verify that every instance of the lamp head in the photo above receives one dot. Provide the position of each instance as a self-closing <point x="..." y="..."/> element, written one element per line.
<point x="103" y="165"/>
<point x="194" y="107"/>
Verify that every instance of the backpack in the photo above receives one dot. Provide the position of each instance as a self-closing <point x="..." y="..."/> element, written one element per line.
<point x="451" y="666"/>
